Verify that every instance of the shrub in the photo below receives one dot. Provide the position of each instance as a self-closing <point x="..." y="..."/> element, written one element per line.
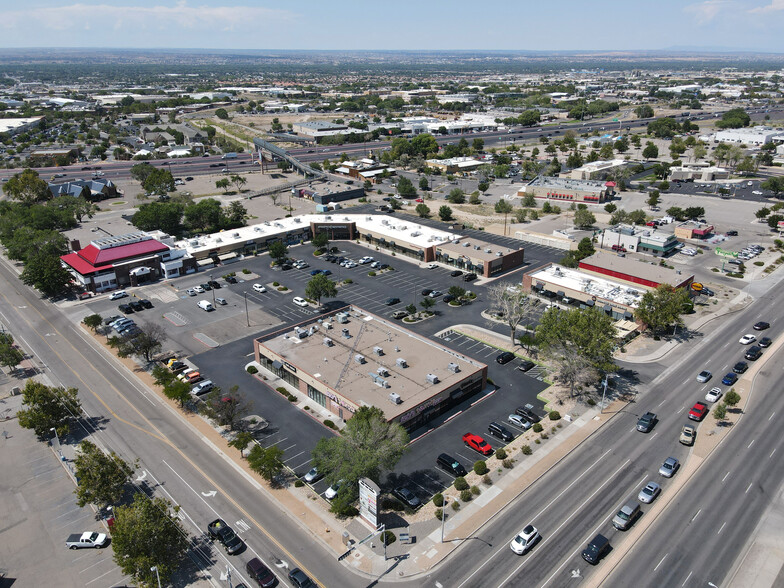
<point x="537" y="427"/>
<point x="438" y="499"/>
<point x="276" y="284"/>
<point x="439" y="513"/>
<point x="545" y="436"/>
<point x="480" y="467"/>
<point x="455" y="505"/>
<point x="487" y="479"/>
<point x="252" y="369"/>
<point x="393" y="504"/>
<point x="525" y="450"/>
<point x="348" y="281"/>
<point x="759" y="263"/>
<point x="553" y="430"/>
<point x="298" y="483"/>
<point x="282" y="390"/>
<point x="591" y="402"/>
<point x="460" y="483"/>
<point x="245" y="271"/>
<point x="465" y="495"/>
<point x="330" y="424"/>
<point x="371" y="273"/>
<point x="537" y="441"/>
<point x="500" y="453"/>
<point x="292" y="398"/>
<point x="508" y="463"/>
<point x="554" y="415"/>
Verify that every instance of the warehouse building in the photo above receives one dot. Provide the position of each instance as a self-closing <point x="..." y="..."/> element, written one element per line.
<point x="455" y="165"/>
<point x="750" y="136"/>
<point x="317" y="129"/>
<point x="699" y="174"/>
<point x="350" y="358"/>
<point x="693" y="230"/>
<point x="568" y="190"/>
<point x="597" y="170"/>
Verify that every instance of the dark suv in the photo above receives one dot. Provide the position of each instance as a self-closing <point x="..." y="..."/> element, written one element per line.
<point x="505" y="357"/>
<point x="499" y="431"/>
<point x="753" y="353"/>
<point x="527" y="412"/>
<point x="596" y="549"/>
<point x="260" y="573"/>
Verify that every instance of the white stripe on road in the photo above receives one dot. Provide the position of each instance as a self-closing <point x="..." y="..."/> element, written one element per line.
<point x="661" y="561"/>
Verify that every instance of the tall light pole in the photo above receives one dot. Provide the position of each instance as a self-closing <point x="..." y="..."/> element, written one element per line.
<point x="443" y="517"/>
<point x="57" y="442"/>
<point x="604" y="392"/>
<point x="157" y="575"/>
<point x="247" y="316"/>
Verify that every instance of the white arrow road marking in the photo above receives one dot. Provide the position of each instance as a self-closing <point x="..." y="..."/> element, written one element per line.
<point x="209" y="494"/>
<point x="142" y="476"/>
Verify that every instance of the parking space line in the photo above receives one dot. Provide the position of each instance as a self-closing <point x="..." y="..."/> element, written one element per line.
<point x="304" y="463"/>
<point x="98" y="578"/>
<point x="100" y="561"/>
<point x="292" y="457"/>
<point x="468" y="459"/>
<point x="289" y="447"/>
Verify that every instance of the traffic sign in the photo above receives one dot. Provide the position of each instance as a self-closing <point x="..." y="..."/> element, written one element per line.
<point x="697" y="287"/>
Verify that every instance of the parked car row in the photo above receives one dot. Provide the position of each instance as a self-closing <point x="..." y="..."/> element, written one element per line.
<point x="134" y="306"/>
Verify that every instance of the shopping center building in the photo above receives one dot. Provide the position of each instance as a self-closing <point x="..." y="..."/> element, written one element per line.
<point x="351" y="358"/>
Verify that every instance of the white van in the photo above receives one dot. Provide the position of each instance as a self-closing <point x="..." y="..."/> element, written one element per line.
<point x="205" y="305"/>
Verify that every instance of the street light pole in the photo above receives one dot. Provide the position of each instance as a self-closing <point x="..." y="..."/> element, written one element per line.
<point x="157" y="575"/>
<point x="604" y="393"/>
<point x="57" y="442"/>
<point x="247" y="316"/>
<point x="443" y="517"/>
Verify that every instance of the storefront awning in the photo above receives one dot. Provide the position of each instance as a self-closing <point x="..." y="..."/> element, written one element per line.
<point x="227" y="256"/>
<point x="205" y="262"/>
<point x="589" y="303"/>
<point x="560" y="294"/>
<point x="277" y="365"/>
<point x="607" y="308"/>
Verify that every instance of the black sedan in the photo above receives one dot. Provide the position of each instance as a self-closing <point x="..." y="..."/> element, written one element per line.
<point x="526" y="365"/>
<point x="136" y="306"/>
<point x="761" y="326"/>
<point x="406" y="497"/>
<point x="740" y="367"/>
<point x="469" y="277"/>
<point x="391" y="301"/>
<point x="125" y="308"/>
<point x="765" y="342"/>
<point x="145" y="303"/>
<point x="426" y="292"/>
<point x="231" y="280"/>
<point x="505" y="357"/>
<point x="456" y="273"/>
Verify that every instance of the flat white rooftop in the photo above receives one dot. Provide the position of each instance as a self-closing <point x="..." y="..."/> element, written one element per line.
<point x="562" y="277"/>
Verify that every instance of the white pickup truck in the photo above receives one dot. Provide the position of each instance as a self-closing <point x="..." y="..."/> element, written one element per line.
<point x="86" y="539"/>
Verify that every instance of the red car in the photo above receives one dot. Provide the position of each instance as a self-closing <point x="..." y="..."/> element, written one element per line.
<point x="698" y="411"/>
<point x="476" y="443"/>
<point x="419" y="200"/>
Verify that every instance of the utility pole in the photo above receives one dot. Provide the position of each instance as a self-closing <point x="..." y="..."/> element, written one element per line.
<point x="247" y="316"/>
<point x="443" y="517"/>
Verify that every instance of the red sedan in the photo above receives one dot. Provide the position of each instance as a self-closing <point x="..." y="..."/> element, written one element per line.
<point x="698" y="411"/>
<point x="476" y="443"/>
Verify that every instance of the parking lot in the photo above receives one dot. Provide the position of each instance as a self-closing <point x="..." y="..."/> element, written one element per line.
<point x="38" y="503"/>
<point x="219" y="344"/>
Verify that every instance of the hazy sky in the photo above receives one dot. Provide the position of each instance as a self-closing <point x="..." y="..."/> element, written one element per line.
<point x="430" y="24"/>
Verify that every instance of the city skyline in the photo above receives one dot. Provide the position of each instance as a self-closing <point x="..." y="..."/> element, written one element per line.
<point x="713" y="25"/>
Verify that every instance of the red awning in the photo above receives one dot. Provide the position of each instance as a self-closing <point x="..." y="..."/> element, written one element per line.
<point x="610" y="184"/>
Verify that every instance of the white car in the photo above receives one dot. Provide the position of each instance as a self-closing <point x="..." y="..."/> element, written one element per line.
<point x="713" y="395"/>
<point x="524" y="540"/>
<point x="747" y="339"/>
<point x="118" y="294"/>
<point x="300" y="301"/>
<point x="432" y="266"/>
<point x="259" y="288"/>
<point x="332" y="491"/>
<point x="756" y="192"/>
<point x="519" y="421"/>
<point x="649" y="493"/>
<point x="190" y="292"/>
<point x="366" y="259"/>
<point x="198" y="289"/>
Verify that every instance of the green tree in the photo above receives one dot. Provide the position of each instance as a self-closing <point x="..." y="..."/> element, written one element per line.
<point x="423" y="210"/>
<point x="661" y="308"/>
<point x="178" y="391"/>
<point x="238" y="181"/>
<point x="367" y="446"/>
<point x="405" y="188"/>
<point x="720" y="411"/>
<point x="644" y="111"/>
<point x="241" y="440"/>
<point x="664" y="128"/>
<point x="529" y="200"/>
<point x="636" y="217"/>
<point x="48" y="407"/>
<point x="101" y="477"/>
<point x="456" y="196"/>
<point x="503" y="206"/>
<point x="92" y="321"/>
<point x="236" y="214"/>
<point x="427" y="303"/>
<point x="147" y="534"/>
<point x="762" y="213"/>
<point x="164" y="216"/>
<point x="654" y="199"/>
<point x="699" y="151"/>
<point x="694" y="212"/>
<point x="774" y="220"/>
<point x="423" y="183"/>
<point x="394" y="204"/>
<point x="320" y="286"/>
<point x="205" y="216"/>
<point x="268" y="463"/>
<point x="27" y="187"/>
<point x="483" y="186"/>
<point x="478" y="145"/>
<point x="775" y="184"/>
<point x="520" y="215"/>
<point x="574" y="160"/>
<point x="223" y="184"/>
<point x="145" y="344"/>
<point x="456" y="292"/>
<point x="579" y="342"/>
<point x="731" y="398"/>
<point x="320" y="241"/>
<point x="445" y="213"/>
<point x="610" y="207"/>
<point x="734" y="119"/>
<point x="222" y="114"/>
<point x="227" y="409"/>
<point x="10" y="355"/>
<point x="158" y="181"/>
<point x="474" y="198"/>
<point x="584" y="219"/>
<point x="651" y="151"/>
<point x="584" y="249"/>
<point x="44" y="271"/>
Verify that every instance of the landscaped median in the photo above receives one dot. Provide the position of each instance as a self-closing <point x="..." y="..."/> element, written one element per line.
<point x="710" y="433"/>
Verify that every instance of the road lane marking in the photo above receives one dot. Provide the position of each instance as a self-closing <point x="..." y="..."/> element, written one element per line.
<point x="771" y="454"/>
<point x="750" y="444"/>
<point x="662" y="402"/>
<point x="725" y="476"/>
<point x="661" y="561"/>
<point x="721" y="528"/>
<point x="680" y="410"/>
<point x="652" y="436"/>
<point x="749" y="488"/>
<point x="687" y="579"/>
<point x="771" y="415"/>
<point x="578" y="509"/>
<point x="540" y="513"/>
<point x="694" y="518"/>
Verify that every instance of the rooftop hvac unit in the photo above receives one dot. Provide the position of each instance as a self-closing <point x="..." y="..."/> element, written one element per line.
<point x="488" y="250"/>
<point x="498" y="253"/>
<point x="368" y="218"/>
<point x="395" y="398"/>
<point x="432" y="379"/>
<point x="466" y="244"/>
<point x="312" y="329"/>
<point x="329" y="217"/>
<point x="258" y="229"/>
<point x="342" y="317"/>
<point x="300" y="333"/>
<point x="453" y="367"/>
<point x="382" y="371"/>
<point x="194" y="242"/>
<point x="346" y="334"/>
<point x="267" y="223"/>
<point x="327" y="326"/>
<point x="297" y="220"/>
<point x="400" y="362"/>
<point x="477" y="247"/>
<point x="328" y="342"/>
<point x="378" y="350"/>
<point x="359" y="358"/>
<point x="218" y="240"/>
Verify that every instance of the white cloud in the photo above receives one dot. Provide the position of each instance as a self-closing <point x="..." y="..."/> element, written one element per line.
<point x="135" y="19"/>
<point x="708" y="10"/>
<point x="774" y="6"/>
